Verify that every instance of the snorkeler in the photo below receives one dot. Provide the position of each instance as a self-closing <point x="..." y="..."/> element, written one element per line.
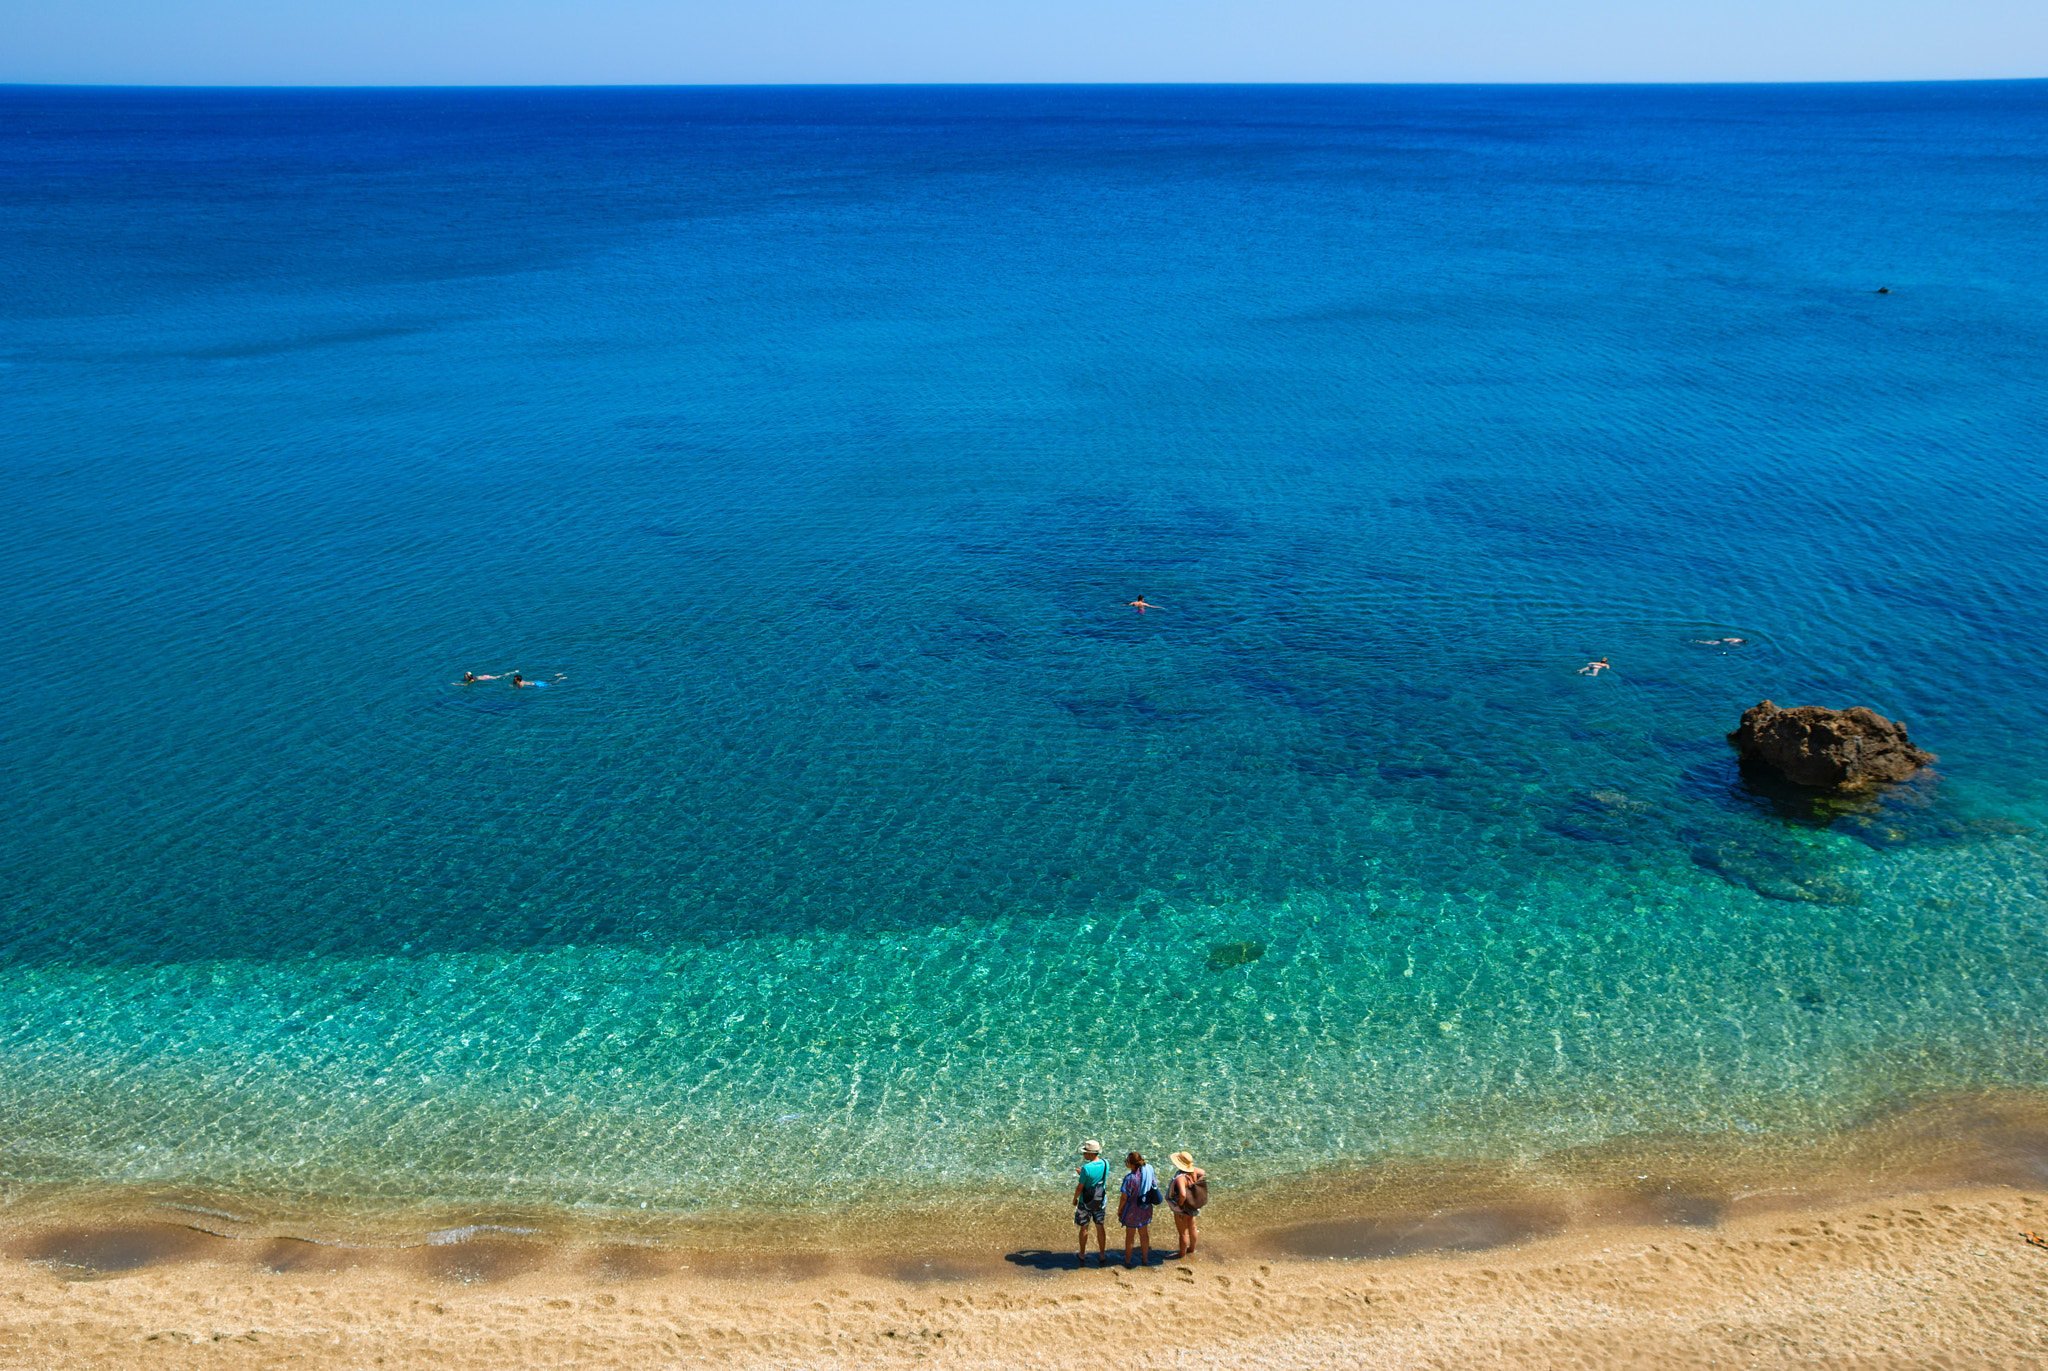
<point x="1140" y="605"/>
<point x="1594" y="668"/>
<point x="471" y="678"/>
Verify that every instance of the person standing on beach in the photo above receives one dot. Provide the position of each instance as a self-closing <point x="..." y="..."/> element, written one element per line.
<point x="1186" y="1193"/>
<point x="1140" y="1193"/>
<point x="1091" y="1202"/>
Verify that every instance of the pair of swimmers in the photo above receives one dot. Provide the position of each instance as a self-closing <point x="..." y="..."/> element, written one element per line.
<point x="519" y="682"/>
<point x="1600" y="664"/>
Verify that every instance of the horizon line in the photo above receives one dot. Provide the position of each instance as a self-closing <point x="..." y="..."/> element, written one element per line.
<point x="1002" y="85"/>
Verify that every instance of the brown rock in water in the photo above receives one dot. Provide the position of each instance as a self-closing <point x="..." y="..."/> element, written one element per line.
<point x="1837" y="749"/>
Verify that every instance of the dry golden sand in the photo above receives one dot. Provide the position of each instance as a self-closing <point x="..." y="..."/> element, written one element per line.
<point x="1931" y="1279"/>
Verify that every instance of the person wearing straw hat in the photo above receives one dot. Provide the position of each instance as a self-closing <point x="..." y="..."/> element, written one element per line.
<point x="1091" y="1202"/>
<point x="1186" y="1193"/>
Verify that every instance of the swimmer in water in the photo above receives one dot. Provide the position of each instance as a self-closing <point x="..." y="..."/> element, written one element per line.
<point x="1595" y="668"/>
<point x="1140" y="605"/>
<point x="520" y="682"/>
<point x="471" y="678"/>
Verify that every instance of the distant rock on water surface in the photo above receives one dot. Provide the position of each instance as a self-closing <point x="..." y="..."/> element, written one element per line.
<point x="1838" y="749"/>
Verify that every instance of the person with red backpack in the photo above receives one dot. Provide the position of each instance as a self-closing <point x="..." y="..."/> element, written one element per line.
<point x="1186" y="1193"/>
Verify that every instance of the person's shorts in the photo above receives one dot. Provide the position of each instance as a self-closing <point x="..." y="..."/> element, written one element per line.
<point x="1087" y="1212"/>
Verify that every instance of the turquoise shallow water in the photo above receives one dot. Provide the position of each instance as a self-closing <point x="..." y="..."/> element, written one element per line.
<point x="816" y="439"/>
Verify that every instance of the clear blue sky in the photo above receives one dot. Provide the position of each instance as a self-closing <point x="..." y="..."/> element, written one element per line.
<point x="460" y="42"/>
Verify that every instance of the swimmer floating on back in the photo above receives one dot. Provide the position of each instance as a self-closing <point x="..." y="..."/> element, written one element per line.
<point x="1594" y="668"/>
<point x="1140" y="605"/>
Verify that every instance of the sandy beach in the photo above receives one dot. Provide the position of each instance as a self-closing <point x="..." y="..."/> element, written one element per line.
<point x="1936" y="1279"/>
<point x="1574" y="1262"/>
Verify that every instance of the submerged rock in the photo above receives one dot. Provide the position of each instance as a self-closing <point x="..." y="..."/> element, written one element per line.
<point x="1224" y="956"/>
<point x="1607" y="818"/>
<point x="1777" y="871"/>
<point x="1833" y="749"/>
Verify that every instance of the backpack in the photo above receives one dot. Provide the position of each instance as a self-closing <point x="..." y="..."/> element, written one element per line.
<point x="1195" y="1194"/>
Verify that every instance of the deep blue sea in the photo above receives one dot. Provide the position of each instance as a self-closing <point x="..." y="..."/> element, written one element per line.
<point x="810" y="444"/>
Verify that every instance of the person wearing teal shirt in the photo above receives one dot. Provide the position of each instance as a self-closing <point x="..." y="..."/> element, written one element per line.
<point x="1091" y="1202"/>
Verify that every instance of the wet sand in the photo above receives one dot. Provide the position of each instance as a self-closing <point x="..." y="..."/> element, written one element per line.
<point x="1898" y="1245"/>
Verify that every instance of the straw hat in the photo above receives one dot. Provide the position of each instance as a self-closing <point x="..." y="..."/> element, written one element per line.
<point x="1091" y="1148"/>
<point x="1183" y="1160"/>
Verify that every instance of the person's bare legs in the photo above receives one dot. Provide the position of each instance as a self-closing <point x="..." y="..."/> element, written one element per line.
<point x="1194" y="1235"/>
<point x="1101" y="1247"/>
<point x="1184" y="1226"/>
<point x="1144" y="1247"/>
